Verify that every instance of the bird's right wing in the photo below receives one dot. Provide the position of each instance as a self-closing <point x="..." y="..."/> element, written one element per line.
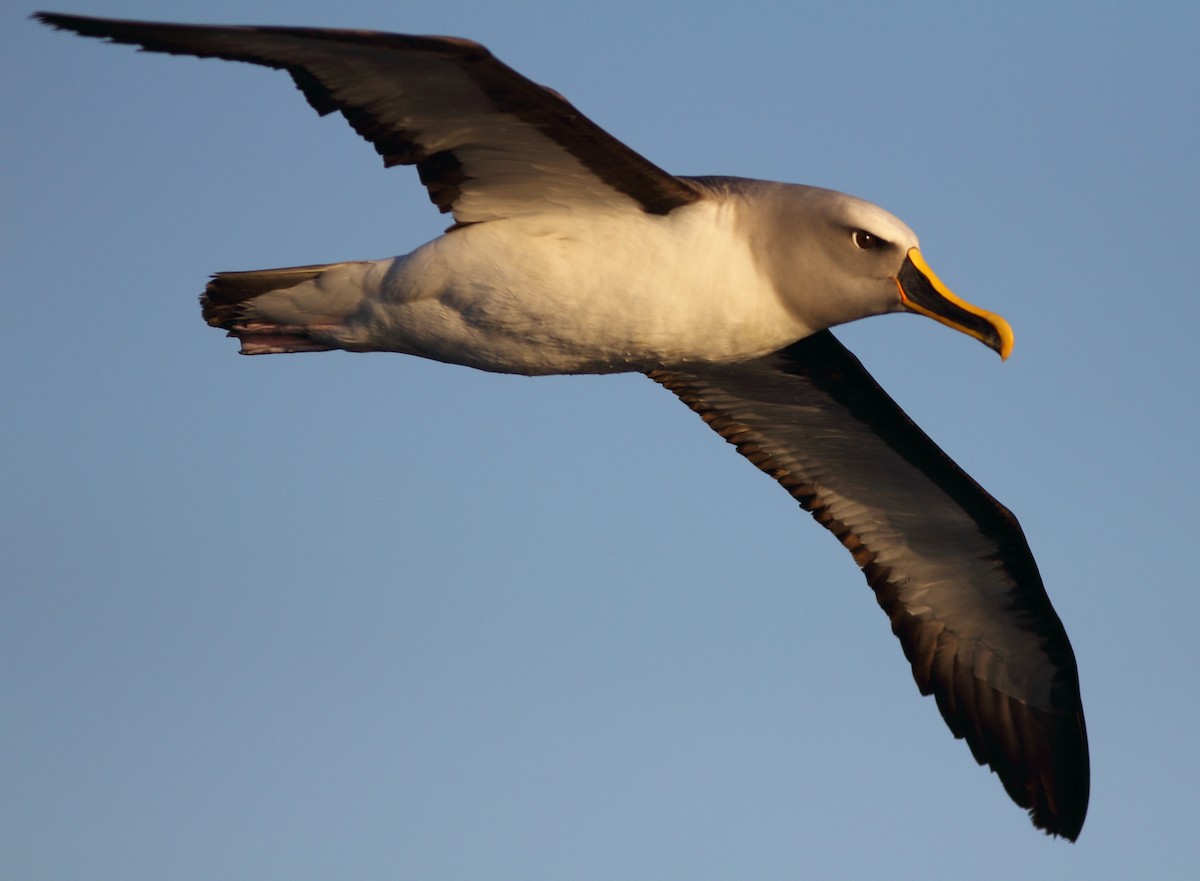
<point x="487" y="142"/>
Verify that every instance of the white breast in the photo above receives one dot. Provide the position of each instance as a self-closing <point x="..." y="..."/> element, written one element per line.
<point x="570" y="294"/>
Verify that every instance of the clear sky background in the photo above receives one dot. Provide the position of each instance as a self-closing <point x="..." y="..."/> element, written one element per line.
<point x="346" y="616"/>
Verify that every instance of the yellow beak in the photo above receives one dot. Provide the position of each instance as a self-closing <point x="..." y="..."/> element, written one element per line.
<point x="923" y="292"/>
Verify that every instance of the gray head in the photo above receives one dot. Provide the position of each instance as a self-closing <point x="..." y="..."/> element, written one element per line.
<point x="836" y="258"/>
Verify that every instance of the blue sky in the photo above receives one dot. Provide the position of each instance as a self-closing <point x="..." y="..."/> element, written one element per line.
<point x="371" y="617"/>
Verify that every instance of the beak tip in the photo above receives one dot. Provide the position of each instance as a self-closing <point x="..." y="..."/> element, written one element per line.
<point x="1004" y="338"/>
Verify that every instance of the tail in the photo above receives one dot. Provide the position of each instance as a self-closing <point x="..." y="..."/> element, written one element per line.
<point x="274" y="311"/>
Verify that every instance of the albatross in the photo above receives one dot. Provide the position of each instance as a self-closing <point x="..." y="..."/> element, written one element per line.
<point x="570" y="253"/>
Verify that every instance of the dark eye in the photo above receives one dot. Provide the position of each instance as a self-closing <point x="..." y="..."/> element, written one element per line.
<point x="865" y="240"/>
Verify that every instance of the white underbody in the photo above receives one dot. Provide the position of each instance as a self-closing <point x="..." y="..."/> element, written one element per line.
<point x="556" y="293"/>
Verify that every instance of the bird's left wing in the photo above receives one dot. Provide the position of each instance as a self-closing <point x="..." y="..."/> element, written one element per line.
<point x="948" y="563"/>
<point x="487" y="142"/>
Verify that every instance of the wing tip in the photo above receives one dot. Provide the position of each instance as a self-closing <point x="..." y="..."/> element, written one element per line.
<point x="1049" y="772"/>
<point x="56" y="20"/>
<point x="1065" y="821"/>
<point x="86" y="25"/>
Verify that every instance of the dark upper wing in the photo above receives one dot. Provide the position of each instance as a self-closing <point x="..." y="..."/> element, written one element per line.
<point x="948" y="563"/>
<point x="487" y="142"/>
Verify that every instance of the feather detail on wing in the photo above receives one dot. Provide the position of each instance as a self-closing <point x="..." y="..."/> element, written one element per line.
<point x="487" y="142"/>
<point x="948" y="563"/>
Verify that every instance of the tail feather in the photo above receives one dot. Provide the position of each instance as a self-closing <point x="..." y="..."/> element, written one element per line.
<point x="261" y="309"/>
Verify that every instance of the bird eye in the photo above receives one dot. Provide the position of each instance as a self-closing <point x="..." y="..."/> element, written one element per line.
<point x="865" y="240"/>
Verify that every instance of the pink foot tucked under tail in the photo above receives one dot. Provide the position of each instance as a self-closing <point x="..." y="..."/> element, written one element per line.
<point x="273" y="311"/>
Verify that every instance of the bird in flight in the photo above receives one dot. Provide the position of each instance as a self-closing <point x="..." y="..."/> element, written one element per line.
<point x="570" y="253"/>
